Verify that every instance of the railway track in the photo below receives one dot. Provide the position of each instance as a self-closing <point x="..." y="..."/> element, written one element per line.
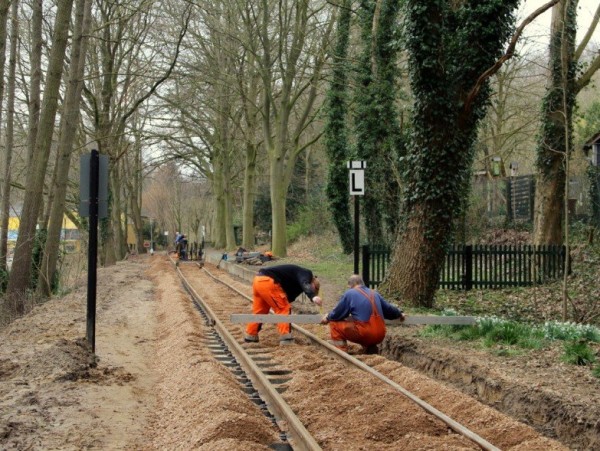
<point x="304" y="387"/>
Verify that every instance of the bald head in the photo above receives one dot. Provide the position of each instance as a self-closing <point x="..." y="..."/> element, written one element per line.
<point x="355" y="280"/>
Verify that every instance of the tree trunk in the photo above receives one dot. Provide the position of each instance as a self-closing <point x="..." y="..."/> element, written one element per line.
<point x="279" y="187"/>
<point x="19" y="278"/>
<point x="135" y="195"/>
<point x="4" y="8"/>
<point x="448" y="106"/>
<point x="36" y="77"/>
<point x="418" y="260"/>
<point x="9" y="139"/>
<point x="68" y="130"/>
<point x="249" y="197"/>
<point x="550" y="182"/>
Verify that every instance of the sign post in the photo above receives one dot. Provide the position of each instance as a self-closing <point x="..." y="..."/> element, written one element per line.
<point x="93" y="187"/>
<point x="357" y="188"/>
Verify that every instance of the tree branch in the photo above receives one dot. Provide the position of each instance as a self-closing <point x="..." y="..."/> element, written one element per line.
<point x="510" y="51"/>
<point x="167" y="74"/>
<point x="588" y="35"/>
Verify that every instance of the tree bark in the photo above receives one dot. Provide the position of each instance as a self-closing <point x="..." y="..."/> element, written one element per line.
<point x="550" y="182"/>
<point x="19" y="278"/>
<point x="9" y="138"/>
<point x="450" y="53"/>
<point x="68" y="130"/>
<point x="36" y="78"/>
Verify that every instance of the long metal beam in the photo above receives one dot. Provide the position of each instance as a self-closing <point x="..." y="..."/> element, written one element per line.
<point x="244" y="318"/>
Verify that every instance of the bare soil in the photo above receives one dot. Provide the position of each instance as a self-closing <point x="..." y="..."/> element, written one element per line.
<point x="153" y="385"/>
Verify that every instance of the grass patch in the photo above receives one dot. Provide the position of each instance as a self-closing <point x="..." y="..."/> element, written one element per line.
<point x="578" y="353"/>
<point x="507" y="338"/>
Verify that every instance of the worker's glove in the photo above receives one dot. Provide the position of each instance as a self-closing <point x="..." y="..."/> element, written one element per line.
<point x="402" y="317"/>
<point x="317" y="300"/>
<point x="324" y="320"/>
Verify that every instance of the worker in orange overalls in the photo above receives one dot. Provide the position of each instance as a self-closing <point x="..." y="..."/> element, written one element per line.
<point x="274" y="288"/>
<point x="360" y="317"/>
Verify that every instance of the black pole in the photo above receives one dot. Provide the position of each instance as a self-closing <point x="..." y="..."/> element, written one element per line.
<point x="93" y="250"/>
<point x="356" y="234"/>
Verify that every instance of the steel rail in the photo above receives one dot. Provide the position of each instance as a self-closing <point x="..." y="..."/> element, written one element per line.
<point x="354" y="362"/>
<point x="299" y="437"/>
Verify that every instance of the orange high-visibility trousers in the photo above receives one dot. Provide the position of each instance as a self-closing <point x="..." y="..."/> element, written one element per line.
<point x="364" y="333"/>
<point x="268" y="294"/>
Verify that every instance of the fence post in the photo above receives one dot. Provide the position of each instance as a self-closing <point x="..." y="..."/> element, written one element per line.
<point x="468" y="265"/>
<point x="509" y="209"/>
<point x="365" y="264"/>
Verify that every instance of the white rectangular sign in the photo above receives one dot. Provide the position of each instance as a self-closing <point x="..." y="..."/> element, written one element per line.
<point x="357" y="177"/>
<point x="357" y="182"/>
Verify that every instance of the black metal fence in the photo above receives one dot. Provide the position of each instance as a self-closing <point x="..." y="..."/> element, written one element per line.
<point x="480" y="266"/>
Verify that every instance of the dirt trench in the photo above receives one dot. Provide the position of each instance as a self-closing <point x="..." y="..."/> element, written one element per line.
<point x="574" y="419"/>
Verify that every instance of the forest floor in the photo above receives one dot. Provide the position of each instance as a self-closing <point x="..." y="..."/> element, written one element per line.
<point x="133" y="394"/>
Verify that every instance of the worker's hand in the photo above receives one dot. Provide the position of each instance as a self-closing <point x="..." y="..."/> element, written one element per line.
<point x="402" y="317"/>
<point x="324" y="320"/>
<point x="317" y="300"/>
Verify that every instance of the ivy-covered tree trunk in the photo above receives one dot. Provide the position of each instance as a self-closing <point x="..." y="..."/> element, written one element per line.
<point x="450" y="45"/>
<point x="336" y="136"/>
<point x="556" y="117"/>
<point x="593" y="174"/>
<point x="376" y="123"/>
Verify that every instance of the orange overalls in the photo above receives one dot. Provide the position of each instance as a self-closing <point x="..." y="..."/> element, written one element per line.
<point x="268" y="294"/>
<point x="365" y="333"/>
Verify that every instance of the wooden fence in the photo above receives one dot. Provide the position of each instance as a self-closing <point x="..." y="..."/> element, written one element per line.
<point x="480" y="266"/>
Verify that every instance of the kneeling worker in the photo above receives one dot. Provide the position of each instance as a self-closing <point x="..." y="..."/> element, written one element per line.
<point x="274" y="288"/>
<point x="359" y="317"/>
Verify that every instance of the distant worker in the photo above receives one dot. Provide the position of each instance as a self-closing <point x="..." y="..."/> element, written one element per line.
<point x="183" y="247"/>
<point x="360" y="317"/>
<point x="275" y="288"/>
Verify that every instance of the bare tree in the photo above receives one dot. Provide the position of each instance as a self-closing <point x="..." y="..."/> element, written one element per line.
<point x="21" y="270"/>
<point x="68" y="129"/>
<point x="9" y="138"/>
<point x="119" y="56"/>
<point x="294" y="38"/>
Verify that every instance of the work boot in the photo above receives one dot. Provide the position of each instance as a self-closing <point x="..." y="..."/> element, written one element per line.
<point x="342" y="345"/>
<point x="286" y="339"/>
<point x="250" y="338"/>
<point x="370" y="350"/>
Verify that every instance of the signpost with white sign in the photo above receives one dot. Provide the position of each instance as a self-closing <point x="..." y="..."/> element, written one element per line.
<point x="357" y="188"/>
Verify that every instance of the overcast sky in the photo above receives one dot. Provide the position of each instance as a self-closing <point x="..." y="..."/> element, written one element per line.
<point x="539" y="29"/>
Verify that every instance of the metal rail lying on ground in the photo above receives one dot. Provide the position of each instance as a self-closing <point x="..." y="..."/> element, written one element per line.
<point x="316" y="319"/>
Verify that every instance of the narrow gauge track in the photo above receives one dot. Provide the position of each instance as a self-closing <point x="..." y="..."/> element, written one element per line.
<point x="304" y="385"/>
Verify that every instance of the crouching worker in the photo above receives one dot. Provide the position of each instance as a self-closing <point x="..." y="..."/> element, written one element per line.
<point x="275" y="288"/>
<point x="360" y="317"/>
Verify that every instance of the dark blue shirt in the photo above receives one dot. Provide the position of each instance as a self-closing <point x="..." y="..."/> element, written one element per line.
<point x="354" y="303"/>
<point x="293" y="279"/>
